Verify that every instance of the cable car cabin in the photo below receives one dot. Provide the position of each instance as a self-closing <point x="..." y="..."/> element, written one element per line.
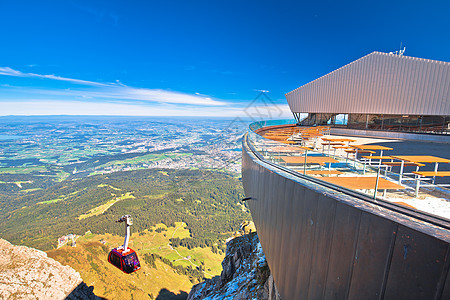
<point x="127" y="262"/>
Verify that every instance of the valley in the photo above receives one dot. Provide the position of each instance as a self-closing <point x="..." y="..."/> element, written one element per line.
<point x="89" y="258"/>
<point x="72" y="176"/>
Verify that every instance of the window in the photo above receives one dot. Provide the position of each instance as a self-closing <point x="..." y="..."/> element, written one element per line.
<point x="115" y="260"/>
<point x="341" y="119"/>
<point x="130" y="261"/>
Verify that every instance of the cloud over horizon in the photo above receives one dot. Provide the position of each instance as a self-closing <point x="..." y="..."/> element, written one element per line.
<point x="72" y="107"/>
<point x="112" y="91"/>
<point x="83" y="97"/>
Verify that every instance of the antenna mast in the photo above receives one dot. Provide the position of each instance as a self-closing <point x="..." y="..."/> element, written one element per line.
<point x="400" y="52"/>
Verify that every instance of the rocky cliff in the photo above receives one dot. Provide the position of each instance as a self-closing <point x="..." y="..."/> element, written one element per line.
<point x="27" y="273"/>
<point x="245" y="274"/>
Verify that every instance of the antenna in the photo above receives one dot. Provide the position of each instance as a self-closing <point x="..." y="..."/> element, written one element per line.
<point x="401" y="51"/>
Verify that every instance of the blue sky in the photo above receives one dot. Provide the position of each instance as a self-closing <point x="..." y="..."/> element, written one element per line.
<point x="208" y="58"/>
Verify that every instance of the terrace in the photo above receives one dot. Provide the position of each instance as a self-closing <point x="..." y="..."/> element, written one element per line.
<point x="386" y="170"/>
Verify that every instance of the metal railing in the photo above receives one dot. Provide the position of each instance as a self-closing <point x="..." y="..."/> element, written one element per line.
<point x="271" y="152"/>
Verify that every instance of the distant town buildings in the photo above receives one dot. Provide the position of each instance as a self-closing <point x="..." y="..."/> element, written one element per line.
<point x="66" y="239"/>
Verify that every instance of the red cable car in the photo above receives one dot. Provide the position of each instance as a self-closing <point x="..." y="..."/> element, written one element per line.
<point x="122" y="257"/>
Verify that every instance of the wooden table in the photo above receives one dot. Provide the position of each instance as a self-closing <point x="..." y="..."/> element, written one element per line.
<point x="363" y="183"/>
<point x="318" y="160"/>
<point x="323" y="172"/>
<point x="405" y="204"/>
<point x="330" y="140"/>
<point x="339" y="140"/>
<point x="339" y="147"/>
<point x="287" y="149"/>
<point x="305" y="136"/>
<point x="419" y="159"/>
<point x="432" y="173"/>
<point x="277" y="134"/>
<point x="371" y="147"/>
<point x="428" y="174"/>
<point x="378" y="157"/>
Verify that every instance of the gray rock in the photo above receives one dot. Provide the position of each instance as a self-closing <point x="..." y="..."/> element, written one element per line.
<point x="245" y="274"/>
<point x="27" y="273"/>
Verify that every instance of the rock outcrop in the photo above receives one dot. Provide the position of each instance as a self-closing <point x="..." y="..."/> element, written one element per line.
<point x="27" y="273"/>
<point x="245" y="274"/>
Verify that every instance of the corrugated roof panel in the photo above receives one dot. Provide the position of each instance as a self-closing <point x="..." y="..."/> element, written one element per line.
<point x="440" y="74"/>
<point x="421" y="101"/>
<point x="396" y="68"/>
<point x="352" y="83"/>
<point x="417" y="75"/>
<point x="314" y="97"/>
<point x="378" y="83"/>
<point x="446" y="91"/>
<point x="330" y="97"/>
<point x="441" y="81"/>
<point x="338" y="99"/>
<point x="368" y="84"/>
<point x="407" y="77"/>
<point x="404" y="84"/>
<point x="330" y="87"/>
<point x="389" y="82"/>
<point x="433" y="87"/>
<point x="378" y="68"/>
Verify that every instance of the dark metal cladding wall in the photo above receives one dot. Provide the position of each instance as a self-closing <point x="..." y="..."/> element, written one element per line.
<point x="321" y="244"/>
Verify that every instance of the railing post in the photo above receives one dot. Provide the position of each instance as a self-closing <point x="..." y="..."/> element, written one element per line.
<point x="304" y="165"/>
<point x="376" y="185"/>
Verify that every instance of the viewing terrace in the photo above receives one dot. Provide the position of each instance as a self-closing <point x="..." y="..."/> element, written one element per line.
<point x="413" y="176"/>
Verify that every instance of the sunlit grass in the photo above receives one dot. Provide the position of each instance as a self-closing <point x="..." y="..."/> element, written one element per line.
<point x="104" y="207"/>
<point x="22" y="170"/>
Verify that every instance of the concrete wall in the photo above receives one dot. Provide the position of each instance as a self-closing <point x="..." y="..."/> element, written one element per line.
<point x="323" y="244"/>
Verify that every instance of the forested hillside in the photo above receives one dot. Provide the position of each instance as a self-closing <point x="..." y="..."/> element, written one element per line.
<point x="207" y="201"/>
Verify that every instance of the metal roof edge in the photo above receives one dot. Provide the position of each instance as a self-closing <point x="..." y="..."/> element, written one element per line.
<point x="368" y="55"/>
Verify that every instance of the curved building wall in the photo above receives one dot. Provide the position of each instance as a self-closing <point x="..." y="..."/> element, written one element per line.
<point x="378" y="83"/>
<point x="323" y="244"/>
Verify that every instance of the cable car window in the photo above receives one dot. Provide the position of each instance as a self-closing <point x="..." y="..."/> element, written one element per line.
<point x="131" y="261"/>
<point x="115" y="260"/>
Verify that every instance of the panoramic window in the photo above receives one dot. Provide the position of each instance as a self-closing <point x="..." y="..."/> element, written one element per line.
<point x="341" y="119"/>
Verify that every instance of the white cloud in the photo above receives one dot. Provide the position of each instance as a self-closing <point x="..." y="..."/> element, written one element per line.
<point x="55" y="107"/>
<point x="11" y="72"/>
<point x="96" y="98"/>
<point x="115" y="90"/>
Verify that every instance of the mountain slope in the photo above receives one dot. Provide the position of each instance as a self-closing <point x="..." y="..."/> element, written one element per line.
<point x="90" y="259"/>
<point x="245" y="274"/>
<point x="27" y="273"/>
<point x="207" y="201"/>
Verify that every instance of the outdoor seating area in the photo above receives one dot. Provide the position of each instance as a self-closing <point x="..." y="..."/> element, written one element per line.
<point x="296" y="135"/>
<point x="345" y="162"/>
